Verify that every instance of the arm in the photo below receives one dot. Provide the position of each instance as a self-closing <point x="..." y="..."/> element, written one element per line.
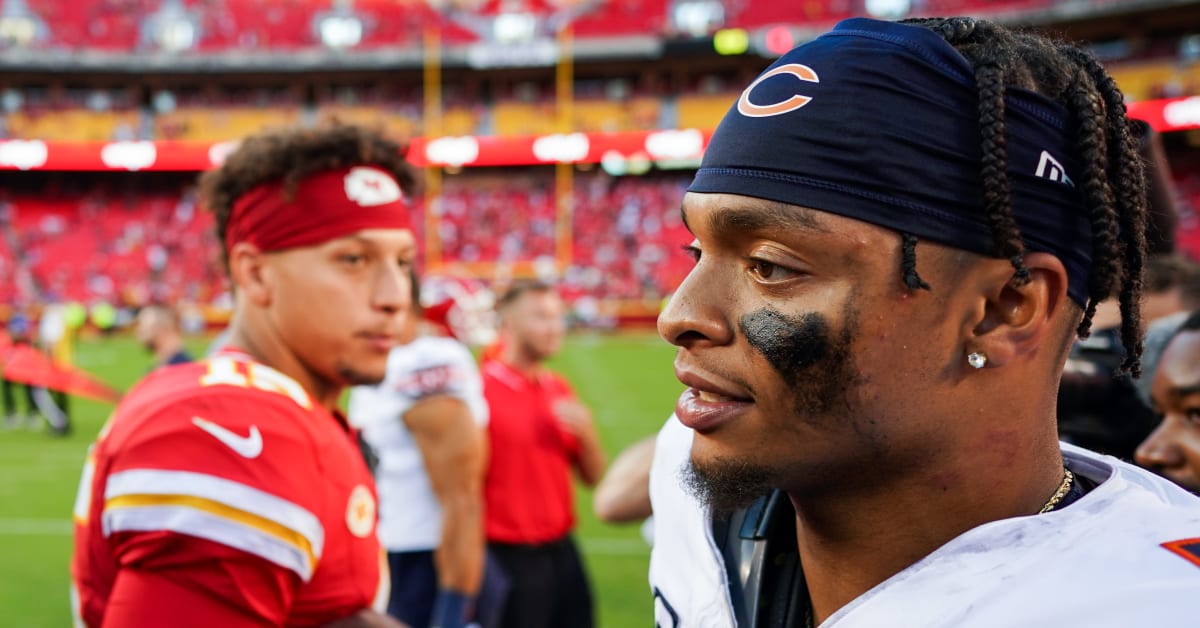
<point x="452" y="446"/>
<point x="624" y="493"/>
<point x="577" y="420"/>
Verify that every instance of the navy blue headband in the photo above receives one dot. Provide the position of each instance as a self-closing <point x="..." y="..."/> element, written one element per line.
<point x="879" y="122"/>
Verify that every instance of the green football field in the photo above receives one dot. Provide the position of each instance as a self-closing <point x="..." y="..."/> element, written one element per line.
<point x="626" y="379"/>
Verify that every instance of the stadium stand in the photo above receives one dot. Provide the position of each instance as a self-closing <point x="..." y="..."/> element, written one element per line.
<point x="624" y="231"/>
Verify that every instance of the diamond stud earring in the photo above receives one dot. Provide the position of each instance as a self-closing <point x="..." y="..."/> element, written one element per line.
<point x="976" y="360"/>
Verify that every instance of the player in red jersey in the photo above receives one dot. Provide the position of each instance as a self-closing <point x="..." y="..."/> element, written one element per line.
<point x="230" y="492"/>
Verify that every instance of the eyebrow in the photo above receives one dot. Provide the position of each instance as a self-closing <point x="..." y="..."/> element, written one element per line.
<point x="761" y="215"/>
<point x="1183" y="391"/>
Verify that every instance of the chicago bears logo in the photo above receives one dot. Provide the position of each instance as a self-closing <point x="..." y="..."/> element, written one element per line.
<point x="370" y="186"/>
<point x="796" y="101"/>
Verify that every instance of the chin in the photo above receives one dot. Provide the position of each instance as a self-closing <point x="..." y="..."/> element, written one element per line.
<point x="362" y="377"/>
<point x="726" y="484"/>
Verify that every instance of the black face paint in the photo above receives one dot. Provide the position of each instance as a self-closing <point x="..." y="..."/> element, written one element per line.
<point x="802" y="350"/>
<point x="817" y="368"/>
<point x="789" y="343"/>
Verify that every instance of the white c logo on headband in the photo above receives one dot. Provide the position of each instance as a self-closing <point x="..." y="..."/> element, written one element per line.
<point x="751" y="110"/>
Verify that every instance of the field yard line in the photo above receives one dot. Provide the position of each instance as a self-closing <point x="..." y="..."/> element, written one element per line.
<point x="35" y="527"/>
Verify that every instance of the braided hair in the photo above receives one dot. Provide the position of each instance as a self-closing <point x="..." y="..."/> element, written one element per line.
<point x="1112" y="182"/>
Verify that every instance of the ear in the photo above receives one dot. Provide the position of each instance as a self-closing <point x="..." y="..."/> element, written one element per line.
<point x="251" y="273"/>
<point x="1018" y="319"/>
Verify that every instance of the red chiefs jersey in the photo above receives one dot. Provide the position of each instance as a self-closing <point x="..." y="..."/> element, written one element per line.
<point x="226" y="479"/>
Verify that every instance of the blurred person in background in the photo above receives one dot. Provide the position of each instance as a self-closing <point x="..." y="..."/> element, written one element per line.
<point x="539" y="436"/>
<point x="425" y="423"/>
<point x="1173" y="448"/>
<point x="58" y="330"/>
<point x="232" y="492"/>
<point x="157" y="329"/>
<point x="18" y="328"/>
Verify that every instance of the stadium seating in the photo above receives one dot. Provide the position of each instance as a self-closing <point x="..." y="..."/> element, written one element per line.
<point x="90" y="248"/>
<point x="626" y="235"/>
<point x="224" y="25"/>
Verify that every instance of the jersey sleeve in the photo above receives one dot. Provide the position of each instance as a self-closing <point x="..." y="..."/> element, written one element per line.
<point x="215" y="493"/>
<point x="448" y="368"/>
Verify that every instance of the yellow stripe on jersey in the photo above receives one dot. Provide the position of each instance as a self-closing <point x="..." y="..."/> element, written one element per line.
<point x="262" y="524"/>
<point x="217" y="509"/>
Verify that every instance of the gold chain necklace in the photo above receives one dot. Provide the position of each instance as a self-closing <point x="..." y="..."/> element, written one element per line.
<point x="1063" y="489"/>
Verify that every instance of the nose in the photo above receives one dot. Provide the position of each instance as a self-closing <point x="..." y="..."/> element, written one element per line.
<point x="393" y="289"/>
<point x="1160" y="450"/>
<point x="692" y="317"/>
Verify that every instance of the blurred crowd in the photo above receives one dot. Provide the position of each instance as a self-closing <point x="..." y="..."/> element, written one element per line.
<point x="156" y="246"/>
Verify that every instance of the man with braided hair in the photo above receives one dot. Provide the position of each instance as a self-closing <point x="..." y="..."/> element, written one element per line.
<point x="231" y="491"/>
<point x="899" y="230"/>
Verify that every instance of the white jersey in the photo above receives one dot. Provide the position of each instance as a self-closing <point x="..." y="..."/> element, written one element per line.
<point x="1125" y="554"/>
<point x="687" y="575"/>
<point x="410" y="517"/>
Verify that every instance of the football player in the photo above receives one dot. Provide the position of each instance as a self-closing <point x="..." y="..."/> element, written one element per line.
<point x="231" y="492"/>
<point x="426" y="423"/>
<point x="899" y="230"/>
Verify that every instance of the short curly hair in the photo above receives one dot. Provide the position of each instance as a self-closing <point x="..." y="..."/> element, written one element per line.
<point x="290" y="154"/>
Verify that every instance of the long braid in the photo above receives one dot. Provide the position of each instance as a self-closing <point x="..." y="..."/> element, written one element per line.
<point x="1112" y="182"/>
<point x="1091" y="143"/>
<point x="1128" y="173"/>
<point x="997" y="198"/>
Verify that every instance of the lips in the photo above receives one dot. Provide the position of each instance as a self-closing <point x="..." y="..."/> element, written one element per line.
<point x="379" y="342"/>
<point x="708" y="403"/>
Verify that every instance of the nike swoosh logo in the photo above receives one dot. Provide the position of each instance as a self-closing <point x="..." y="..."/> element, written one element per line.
<point x="249" y="446"/>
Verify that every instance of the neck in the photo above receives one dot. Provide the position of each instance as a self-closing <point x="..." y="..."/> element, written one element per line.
<point x="520" y="360"/>
<point x="265" y="346"/>
<point x="167" y="347"/>
<point x="848" y="544"/>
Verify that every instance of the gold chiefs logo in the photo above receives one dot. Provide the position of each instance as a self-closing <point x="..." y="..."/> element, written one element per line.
<point x="371" y="186"/>
<point x="360" y="512"/>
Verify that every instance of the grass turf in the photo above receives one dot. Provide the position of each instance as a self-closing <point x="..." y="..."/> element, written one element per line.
<point x="626" y="379"/>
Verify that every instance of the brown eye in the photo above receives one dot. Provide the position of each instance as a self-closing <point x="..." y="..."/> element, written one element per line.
<point x="768" y="272"/>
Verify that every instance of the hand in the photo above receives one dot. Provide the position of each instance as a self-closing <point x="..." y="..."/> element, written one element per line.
<point x="574" y="416"/>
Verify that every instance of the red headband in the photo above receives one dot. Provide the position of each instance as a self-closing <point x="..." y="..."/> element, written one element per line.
<point x="327" y="205"/>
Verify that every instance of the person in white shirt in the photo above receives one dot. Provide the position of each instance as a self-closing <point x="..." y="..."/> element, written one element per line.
<point x="899" y="230"/>
<point x="425" y="422"/>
